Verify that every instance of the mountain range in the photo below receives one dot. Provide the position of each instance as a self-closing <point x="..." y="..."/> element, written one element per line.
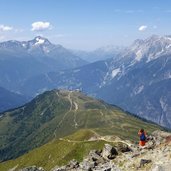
<point x="137" y="80"/>
<point x="21" y="60"/>
<point x="99" y="54"/>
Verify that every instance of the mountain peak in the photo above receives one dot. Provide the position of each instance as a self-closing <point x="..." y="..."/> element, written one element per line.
<point x="38" y="40"/>
<point x="152" y="47"/>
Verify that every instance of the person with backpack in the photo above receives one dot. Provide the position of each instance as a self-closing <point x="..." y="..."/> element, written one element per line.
<point x="143" y="137"/>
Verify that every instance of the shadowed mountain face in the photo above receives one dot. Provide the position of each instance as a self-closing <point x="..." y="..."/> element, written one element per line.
<point x="10" y="100"/>
<point x="138" y="80"/>
<point x="22" y="60"/>
<point x="56" y="114"/>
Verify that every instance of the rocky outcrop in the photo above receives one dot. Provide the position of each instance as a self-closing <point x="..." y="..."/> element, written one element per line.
<point x="96" y="160"/>
<point x="154" y="156"/>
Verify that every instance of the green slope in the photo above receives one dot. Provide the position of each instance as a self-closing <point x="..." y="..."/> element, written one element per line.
<point x="57" y="152"/>
<point x="56" y="114"/>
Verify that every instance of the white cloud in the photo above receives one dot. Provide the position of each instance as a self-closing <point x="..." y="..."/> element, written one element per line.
<point x="5" y="28"/>
<point x="142" y="28"/>
<point x="41" y="26"/>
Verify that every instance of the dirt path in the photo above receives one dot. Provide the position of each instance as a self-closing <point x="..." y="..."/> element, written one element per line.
<point x="76" y="106"/>
<point x="102" y="113"/>
<point x="70" y="100"/>
<point x="75" y="110"/>
<point x="92" y="140"/>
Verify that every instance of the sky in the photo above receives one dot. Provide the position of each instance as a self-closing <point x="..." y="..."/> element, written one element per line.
<point x="84" y="24"/>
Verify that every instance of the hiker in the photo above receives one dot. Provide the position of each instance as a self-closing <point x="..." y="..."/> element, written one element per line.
<point x="143" y="137"/>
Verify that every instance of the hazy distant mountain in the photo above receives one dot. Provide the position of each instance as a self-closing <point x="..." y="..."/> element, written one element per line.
<point x="22" y="60"/>
<point x="138" y="81"/>
<point x="102" y="53"/>
<point x="9" y="100"/>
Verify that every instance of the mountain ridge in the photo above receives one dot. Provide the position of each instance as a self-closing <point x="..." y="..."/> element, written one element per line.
<point x="86" y="149"/>
<point x="55" y="114"/>
<point x="125" y="81"/>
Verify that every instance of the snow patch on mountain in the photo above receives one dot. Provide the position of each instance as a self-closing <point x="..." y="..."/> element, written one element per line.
<point x="106" y="64"/>
<point x="139" y="55"/>
<point x="163" y="104"/>
<point x="115" y="72"/>
<point x="76" y="70"/>
<point x="39" y="41"/>
<point x="151" y="48"/>
<point x="139" y="89"/>
<point x="24" y="45"/>
<point x="167" y="75"/>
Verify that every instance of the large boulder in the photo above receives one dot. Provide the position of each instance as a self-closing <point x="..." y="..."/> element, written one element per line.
<point x="122" y="148"/>
<point x="109" y="152"/>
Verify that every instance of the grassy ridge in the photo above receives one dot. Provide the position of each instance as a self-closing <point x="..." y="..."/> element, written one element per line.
<point x="56" y="114"/>
<point x="58" y="152"/>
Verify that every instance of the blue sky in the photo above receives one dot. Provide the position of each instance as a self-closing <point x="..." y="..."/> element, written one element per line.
<point x="84" y="24"/>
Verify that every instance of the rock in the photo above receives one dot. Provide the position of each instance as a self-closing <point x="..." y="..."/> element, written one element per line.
<point x="161" y="136"/>
<point x="143" y="162"/>
<point x="94" y="155"/>
<point x="63" y="168"/>
<point x="86" y="164"/>
<point x="151" y="143"/>
<point x="168" y="139"/>
<point x="109" y="152"/>
<point x="73" y="164"/>
<point x="121" y="147"/>
<point x="135" y="155"/>
<point x="101" y="160"/>
<point x="108" y="166"/>
<point x="162" y="167"/>
<point x="32" y="168"/>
